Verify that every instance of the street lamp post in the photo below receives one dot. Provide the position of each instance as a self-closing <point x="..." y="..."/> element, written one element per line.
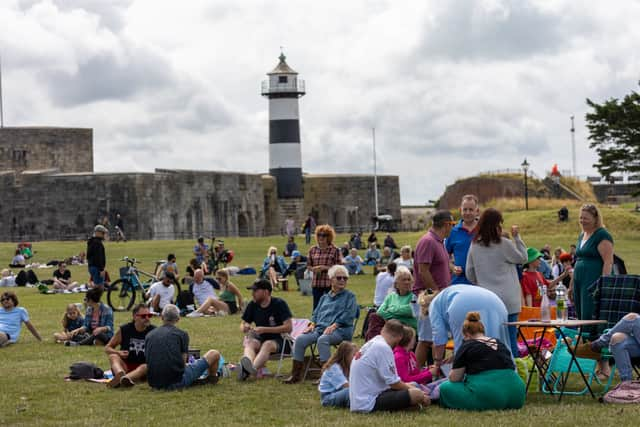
<point x="525" y="168"/>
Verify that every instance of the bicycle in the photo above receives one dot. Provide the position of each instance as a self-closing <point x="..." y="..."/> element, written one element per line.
<point x="121" y="295"/>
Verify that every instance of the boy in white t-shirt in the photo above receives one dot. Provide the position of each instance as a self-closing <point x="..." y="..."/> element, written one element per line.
<point x="162" y="293"/>
<point x="374" y="381"/>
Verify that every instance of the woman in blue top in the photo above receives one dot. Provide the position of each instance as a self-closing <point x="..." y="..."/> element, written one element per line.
<point x="272" y="266"/>
<point x="11" y="319"/>
<point x="98" y="320"/>
<point x="331" y="322"/>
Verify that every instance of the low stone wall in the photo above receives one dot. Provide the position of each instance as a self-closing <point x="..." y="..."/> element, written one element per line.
<point x="616" y="193"/>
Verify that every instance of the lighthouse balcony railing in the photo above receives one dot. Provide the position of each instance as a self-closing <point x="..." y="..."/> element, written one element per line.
<point x="292" y="86"/>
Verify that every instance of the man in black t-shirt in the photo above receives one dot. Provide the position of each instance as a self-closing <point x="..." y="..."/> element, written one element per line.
<point x="166" y="351"/>
<point x="62" y="279"/>
<point x="128" y="363"/>
<point x="271" y="317"/>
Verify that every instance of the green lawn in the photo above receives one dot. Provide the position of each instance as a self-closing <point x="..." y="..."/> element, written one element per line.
<point x="31" y="372"/>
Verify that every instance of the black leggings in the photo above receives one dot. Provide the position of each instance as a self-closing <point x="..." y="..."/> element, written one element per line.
<point x="91" y="339"/>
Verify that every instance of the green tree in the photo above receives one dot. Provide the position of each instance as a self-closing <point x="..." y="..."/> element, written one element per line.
<point x="614" y="131"/>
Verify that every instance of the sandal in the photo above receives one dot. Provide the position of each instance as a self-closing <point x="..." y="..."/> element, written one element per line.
<point x="601" y="376"/>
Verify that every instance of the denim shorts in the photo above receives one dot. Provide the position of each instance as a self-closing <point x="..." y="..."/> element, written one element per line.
<point x="192" y="372"/>
<point x="96" y="278"/>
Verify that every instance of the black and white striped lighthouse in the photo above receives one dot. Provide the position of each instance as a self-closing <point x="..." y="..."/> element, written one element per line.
<point x="283" y="88"/>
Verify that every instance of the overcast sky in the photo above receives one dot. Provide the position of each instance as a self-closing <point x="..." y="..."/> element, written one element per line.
<point x="452" y="87"/>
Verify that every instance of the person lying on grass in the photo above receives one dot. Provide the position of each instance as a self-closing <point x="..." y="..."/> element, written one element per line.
<point x="11" y="319"/>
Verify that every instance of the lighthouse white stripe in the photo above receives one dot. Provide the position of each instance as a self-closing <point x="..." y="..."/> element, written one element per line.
<point x="283" y="109"/>
<point x="284" y="156"/>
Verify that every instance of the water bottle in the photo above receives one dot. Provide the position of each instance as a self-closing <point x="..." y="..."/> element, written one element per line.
<point x="545" y="311"/>
<point x="562" y="303"/>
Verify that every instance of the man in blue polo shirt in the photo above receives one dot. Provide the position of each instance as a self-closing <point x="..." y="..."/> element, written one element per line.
<point x="459" y="240"/>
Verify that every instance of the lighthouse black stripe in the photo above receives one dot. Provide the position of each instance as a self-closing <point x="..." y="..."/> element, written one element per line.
<point x="284" y="131"/>
<point x="289" y="182"/>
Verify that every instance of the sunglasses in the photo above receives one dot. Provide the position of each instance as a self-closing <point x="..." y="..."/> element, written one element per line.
<point x="5" y="299"/>
<point x="323" y="235"/>
<point x="342" y="278"/>
<point x="145" y="315"/>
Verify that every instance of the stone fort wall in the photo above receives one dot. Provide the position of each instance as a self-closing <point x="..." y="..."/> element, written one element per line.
<point x="41" y="148"/>
<point x="167" y="204"/>
<point x="346" y="202"/>
<point x="51" y="193"/>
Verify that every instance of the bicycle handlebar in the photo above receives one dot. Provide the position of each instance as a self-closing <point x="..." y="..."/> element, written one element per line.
<point x="130" y="260"/>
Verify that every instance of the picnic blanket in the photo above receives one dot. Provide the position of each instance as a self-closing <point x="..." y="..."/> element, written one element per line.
<point x="615" y="296"/>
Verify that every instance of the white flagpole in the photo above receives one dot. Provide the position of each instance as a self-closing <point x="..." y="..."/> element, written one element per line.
<point x="1" y="108"/>
<point x="375" y="171"/>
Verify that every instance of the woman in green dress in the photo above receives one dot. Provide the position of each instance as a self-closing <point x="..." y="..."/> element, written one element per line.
<point x="594" y="259"/>
<point x="483" y="374"/>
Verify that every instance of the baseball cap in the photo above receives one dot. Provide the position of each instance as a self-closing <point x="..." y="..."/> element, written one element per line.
<point x="260" y="284"/>
<point x="295" y="254"/>
<point x="100" y="228"/>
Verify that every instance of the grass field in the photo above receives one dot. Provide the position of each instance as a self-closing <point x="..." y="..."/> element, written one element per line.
<point x="31" y="372"/>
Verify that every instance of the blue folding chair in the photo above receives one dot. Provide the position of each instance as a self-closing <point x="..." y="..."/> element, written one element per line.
<point x="559" y="365"/>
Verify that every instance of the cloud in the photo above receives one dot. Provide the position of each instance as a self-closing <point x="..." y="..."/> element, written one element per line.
<point x="453" y="88"/>
<point x="111" y="13"/>
<point x="105" y="76"/>
<point x="460" y="30"/>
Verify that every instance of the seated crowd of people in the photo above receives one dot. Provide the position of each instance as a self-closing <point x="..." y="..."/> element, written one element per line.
<point x="463" y="283"/>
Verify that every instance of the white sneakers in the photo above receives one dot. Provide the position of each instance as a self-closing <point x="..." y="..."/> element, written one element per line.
<point x="195" y="314"/>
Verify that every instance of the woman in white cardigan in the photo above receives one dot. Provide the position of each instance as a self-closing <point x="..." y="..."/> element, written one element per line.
<point x="491" y="264"/>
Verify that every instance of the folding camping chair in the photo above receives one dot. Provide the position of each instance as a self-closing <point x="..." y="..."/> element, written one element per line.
<point x="314" y="350"/>
<point x="298" y="326"/>
<point x="559" y="365"/>
<point x="533" y="334"/>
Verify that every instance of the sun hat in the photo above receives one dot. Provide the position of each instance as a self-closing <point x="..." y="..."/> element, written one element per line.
<point x="532" y="255"/>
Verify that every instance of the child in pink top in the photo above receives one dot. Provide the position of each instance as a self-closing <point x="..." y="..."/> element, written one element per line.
<point x="406" y="363"/>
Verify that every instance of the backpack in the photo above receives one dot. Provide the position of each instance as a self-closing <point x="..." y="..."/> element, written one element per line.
<point x="627" y="392"/>
<point x="85" y="371"/>
<point x="185" y="299"/>
<point x="21" y="278"/>
<point x="618" y="265"/>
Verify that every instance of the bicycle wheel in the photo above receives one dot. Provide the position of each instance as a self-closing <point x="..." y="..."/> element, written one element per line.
<point x="123" y="297"/>
<point x="176" y="291"/>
